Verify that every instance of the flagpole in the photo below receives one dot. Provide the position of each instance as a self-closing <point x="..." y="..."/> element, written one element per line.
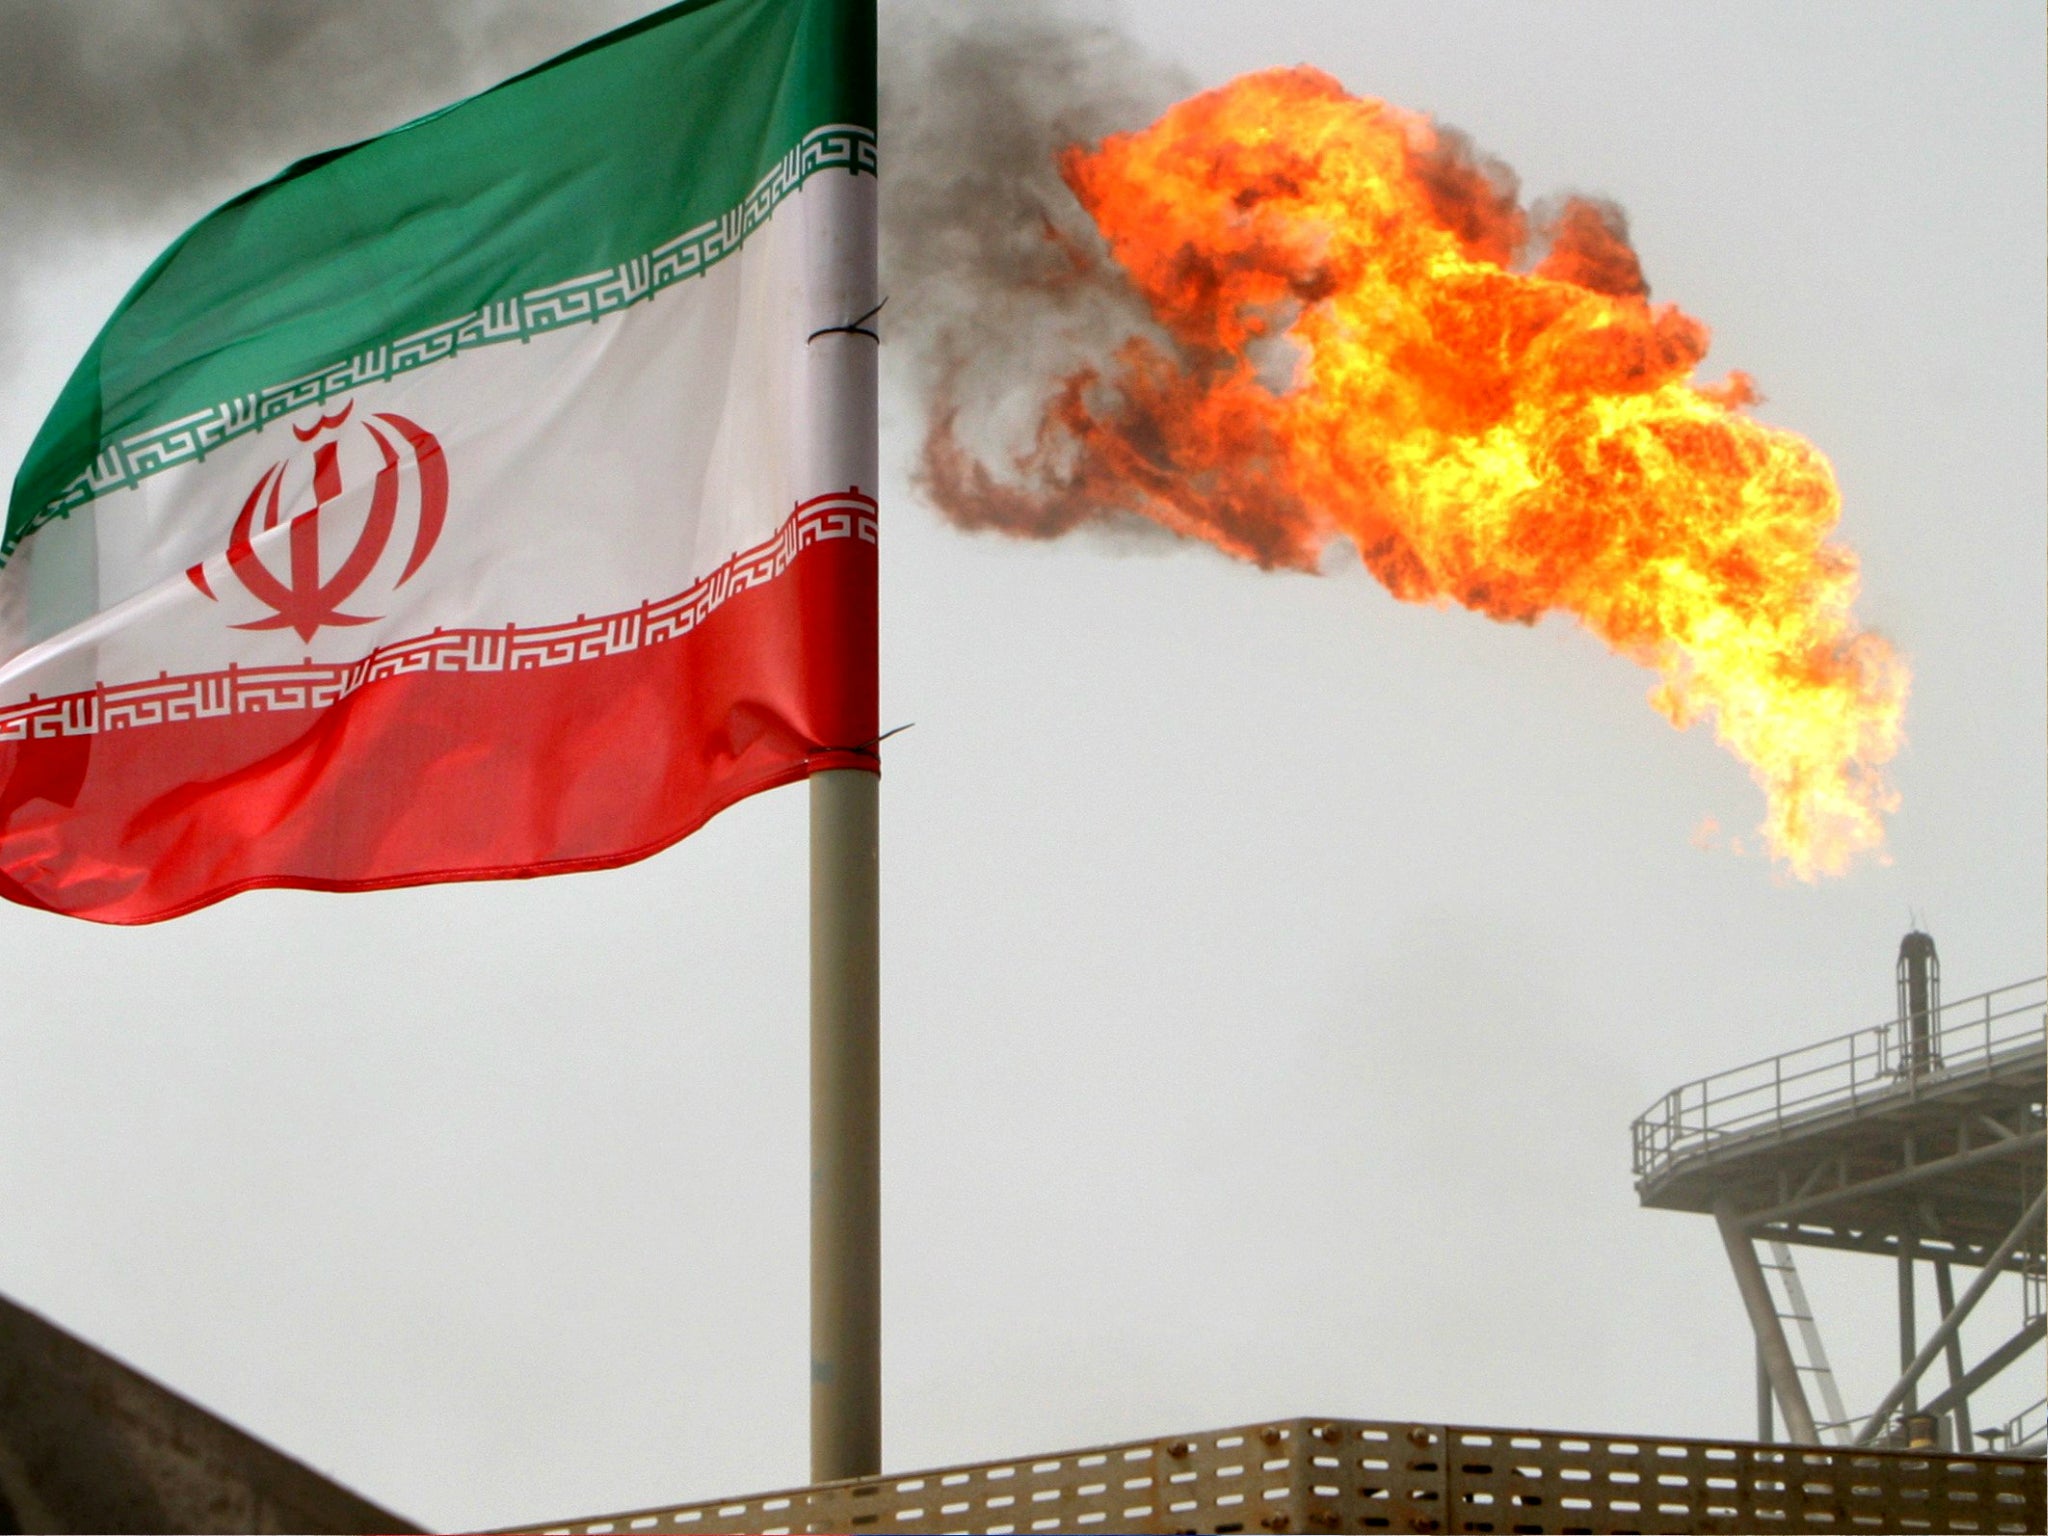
<point x="846" y="1185"/>
<point x="846" y="1194"/>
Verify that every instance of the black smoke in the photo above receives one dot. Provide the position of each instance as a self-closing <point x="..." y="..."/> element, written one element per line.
<point x="120" y="117"/>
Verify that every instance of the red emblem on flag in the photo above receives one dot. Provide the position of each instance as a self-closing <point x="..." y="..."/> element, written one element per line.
<point x="298" y="597"/>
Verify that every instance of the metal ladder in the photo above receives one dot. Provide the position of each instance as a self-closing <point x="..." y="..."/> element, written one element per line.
<point x="1808" y="1354"/>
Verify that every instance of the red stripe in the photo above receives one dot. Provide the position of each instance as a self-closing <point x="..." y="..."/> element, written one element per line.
<point x="454" y="776"/>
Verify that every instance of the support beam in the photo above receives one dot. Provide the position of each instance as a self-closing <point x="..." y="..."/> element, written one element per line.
<point x="2032" y="1144"/>
<point x="1814" y="1175"/>
<point x="1938" y="1340"/>
<point x="1875" y="1241"/>
<point x="1990" y="1366"/>
<point x="1772" y="1349"/>
<point x="1766" y="1430"/>
<point x="1945" y="1293"/>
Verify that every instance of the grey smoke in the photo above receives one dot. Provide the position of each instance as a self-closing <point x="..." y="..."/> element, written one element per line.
<point x="110" y="109"/>
<point x="981" y="238"/>
<point x="126" y="115"/>
<point x="999" y="283"/>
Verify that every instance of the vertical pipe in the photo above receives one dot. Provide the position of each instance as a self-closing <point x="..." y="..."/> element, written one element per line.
<point x="1919" y="976"/>
<point x="1945" y="1293"/>
<point x="1772" y="1348"/>
<point x="1766" y="1431"/>
<point x="846" y="1185"/>
<point x="1908" y="1344"/>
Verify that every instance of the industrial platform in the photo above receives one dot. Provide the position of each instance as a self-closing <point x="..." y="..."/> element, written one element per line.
<point x="1838" y="1145"/>
<point x="1919" y="1139"/>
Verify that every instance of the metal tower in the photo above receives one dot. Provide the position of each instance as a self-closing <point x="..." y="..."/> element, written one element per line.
<point x="1919" y="1140"/>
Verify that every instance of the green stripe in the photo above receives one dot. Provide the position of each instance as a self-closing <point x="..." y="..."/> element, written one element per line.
<point x="575" y="173"/>
<point x="128" y="461"/>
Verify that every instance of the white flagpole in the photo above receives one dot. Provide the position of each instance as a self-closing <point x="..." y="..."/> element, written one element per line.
<point x="846" y="1239"/>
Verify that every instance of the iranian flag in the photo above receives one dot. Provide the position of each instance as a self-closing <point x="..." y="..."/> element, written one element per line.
<point x="491" y="498"/>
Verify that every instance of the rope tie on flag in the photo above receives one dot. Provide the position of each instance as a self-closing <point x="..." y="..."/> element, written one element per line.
<point x="867" y="748"/>
<point x="855" y="327"/>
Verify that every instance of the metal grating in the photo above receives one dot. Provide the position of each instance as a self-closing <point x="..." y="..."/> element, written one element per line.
<point x="1299" y="1475"/>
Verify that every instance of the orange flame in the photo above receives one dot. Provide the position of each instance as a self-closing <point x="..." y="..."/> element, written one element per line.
<point x="1514" y="441"/>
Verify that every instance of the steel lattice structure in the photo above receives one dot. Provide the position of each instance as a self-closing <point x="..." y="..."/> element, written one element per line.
<point x="1919" y="1139"/>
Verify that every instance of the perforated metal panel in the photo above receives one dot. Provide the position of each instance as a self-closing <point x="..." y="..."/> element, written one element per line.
<point x="1317" y="1475"/>
<point x="1505" y="1480"/>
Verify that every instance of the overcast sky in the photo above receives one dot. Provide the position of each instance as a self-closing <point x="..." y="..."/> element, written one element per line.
<point x="1271" y="970"/>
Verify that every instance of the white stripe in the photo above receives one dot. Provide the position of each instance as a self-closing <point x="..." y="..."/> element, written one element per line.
<point x="592" y="469"/>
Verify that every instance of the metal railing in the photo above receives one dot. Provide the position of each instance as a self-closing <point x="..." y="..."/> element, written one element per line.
<point x="1301" y="1475"/>
<point x="1865" y="1064"/>
<point x="2027" y="1427"/>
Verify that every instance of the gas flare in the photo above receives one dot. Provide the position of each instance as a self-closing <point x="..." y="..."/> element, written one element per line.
<point x="1348" y="340"/>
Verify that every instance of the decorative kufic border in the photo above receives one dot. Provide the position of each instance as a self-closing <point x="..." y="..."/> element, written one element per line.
<point x="315" y="685"/>
<point x="121" y="465"/>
